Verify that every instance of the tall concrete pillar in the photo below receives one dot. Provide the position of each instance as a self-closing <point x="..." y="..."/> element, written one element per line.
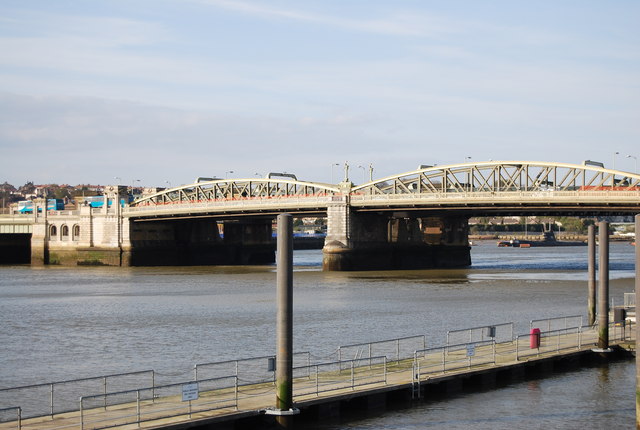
<point x="603" y="286"/>
<point x="637" y="325"/>
<point x="591" y="287"/>
<point x="284" y="328"/>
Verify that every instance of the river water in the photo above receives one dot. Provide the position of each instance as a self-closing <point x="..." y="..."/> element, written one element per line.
<point x="63" y="323"/>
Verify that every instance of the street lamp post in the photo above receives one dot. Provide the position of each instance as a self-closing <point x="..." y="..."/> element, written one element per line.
<point x="226" y="174"/>
<point x="614" y="159"/>
<point x="364" y="174"/>
<point x="133" y="182"/>
<point x="635" y="159"/>
<point x="332" y="166"/>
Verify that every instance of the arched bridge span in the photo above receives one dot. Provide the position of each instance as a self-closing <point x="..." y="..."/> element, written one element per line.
<point x="505" y="186"/>
<point x="474" y="188"/>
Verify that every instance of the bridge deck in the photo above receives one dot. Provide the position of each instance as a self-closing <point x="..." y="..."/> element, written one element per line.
<point x="370" y="375"/>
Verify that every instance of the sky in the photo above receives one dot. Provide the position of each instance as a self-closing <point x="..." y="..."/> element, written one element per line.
<point x="158" y="92"/>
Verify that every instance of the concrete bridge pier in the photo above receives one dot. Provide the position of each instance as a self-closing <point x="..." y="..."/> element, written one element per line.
<point x="40" y="234"/>
<point x="392" y="240"/>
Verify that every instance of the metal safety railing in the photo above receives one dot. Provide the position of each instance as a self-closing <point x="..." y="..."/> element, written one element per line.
<point x="536" y="344"/>
<point x="340" y="375"/>
<point x="157" y="403"/>
<point x="450" y="358"/>
<point x="11" y="414"/>
<point x="59" y="397"/>
<point x="629" y="300"/>
<point x="393" y="349"/>
<point x="249" y="371"/>
<point x="556" y="323"/>
<point x="502" y="332"/>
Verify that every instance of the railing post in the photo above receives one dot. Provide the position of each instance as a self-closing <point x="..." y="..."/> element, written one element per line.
<point x="153" y="386"/>
<point x="318" y="382"/>
<point x="51" y="399"/>
<point x="517" y="349"/>
<point x="138" y="406"/>
<point x="104" y="392"/>
<point x="580" y="337"/>
<point x="236" y="391"/>
<point x="19" y="418"/>
<point x="444" y="366"/>
<point x="385" y="370"/>
<point x="352" y="377"/>
<point x="398" y="350"/>
<point x="493" y="344"/>
<point x="81" y="415"/>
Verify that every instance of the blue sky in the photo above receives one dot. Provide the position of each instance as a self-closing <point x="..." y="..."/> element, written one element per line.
<point x="167" y="90"/>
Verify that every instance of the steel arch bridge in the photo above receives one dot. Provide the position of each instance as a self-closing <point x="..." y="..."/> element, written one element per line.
<point x="482" y="186"/>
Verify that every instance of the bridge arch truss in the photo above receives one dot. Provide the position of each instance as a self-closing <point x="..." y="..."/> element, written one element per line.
<point x="236" y="195"/>
<point x="503" y="184"/>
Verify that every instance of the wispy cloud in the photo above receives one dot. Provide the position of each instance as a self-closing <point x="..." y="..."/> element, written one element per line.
<point x="409" y="23"/>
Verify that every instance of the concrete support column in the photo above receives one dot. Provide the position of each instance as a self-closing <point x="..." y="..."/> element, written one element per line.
<point x="603" y="286"/>
<point x="637" y="325"/>
<point x="591" y="287"/>
<point x="284" y="329"/>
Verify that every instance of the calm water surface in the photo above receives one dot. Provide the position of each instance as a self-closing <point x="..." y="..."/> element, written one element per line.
<point x="62" y="323"/>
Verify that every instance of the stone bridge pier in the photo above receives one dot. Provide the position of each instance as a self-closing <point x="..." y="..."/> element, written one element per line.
<point x="393" y="240"/>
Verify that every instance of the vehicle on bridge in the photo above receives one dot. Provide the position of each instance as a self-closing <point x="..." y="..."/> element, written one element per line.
<point x="98" y="201"/>
<point x="26" y="206"/>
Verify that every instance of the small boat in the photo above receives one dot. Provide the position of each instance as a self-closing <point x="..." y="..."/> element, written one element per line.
<point x="549" y="239"/>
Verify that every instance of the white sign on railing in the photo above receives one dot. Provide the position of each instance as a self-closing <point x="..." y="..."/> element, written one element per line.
<point x="190" y="392"/>
<point x="471" y="350"/>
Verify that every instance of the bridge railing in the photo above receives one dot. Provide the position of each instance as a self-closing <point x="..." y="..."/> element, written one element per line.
<point x="541" y="195"/>
<point x="280" y="202"/>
